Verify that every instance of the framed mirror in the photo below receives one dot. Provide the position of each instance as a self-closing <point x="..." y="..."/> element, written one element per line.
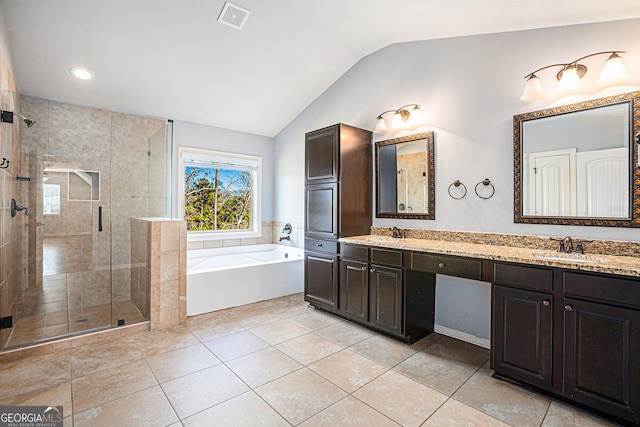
<point x="578" y="164"/>
<point x="405" y="178"/>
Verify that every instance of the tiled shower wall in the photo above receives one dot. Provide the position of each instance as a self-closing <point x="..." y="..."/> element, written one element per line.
<point x="159" y="270"/>
<point x="118" y="145"/>
<point x="13" y="241"/>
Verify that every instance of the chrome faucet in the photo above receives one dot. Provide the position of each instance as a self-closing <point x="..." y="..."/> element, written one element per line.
<point x="396" y="233"/>
<point x="569" y="245"/>
<point x="566" y="245"/>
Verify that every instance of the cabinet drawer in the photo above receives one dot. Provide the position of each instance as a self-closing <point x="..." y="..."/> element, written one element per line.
<point x="540" y="279"/>
<point x="355" y="252"/>
<point x="442" y="264"/>
<point x="318" y="245"/>
<point x="386" y="257"/>
<point x="603" y="288"/>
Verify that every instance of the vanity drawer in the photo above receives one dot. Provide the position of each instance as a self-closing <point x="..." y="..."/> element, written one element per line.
<point x="603" y="288"/>
<point x="318" y="245"/>
<point x="521" y="276"/>
<point x="442" y="264"/>
<point x="355" y="252"/>
<point x="388" y="257"/>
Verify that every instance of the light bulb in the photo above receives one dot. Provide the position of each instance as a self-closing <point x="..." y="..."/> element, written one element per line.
<point x="381" y="126"/>
<point x="570" y="80"/>
<point x="533" y="89"/>
<point x="416" y="118"/>
<point x="81" y="73"/>
<point x="398" y="122"/>
<point x="614" y="71"/>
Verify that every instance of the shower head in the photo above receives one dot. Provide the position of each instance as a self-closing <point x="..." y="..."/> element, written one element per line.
<point x="26" y="121"/>
<point x="7" y="117"/>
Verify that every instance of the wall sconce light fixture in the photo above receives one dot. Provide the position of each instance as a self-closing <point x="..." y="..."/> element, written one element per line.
<point x="402" y="119"/>
<point x="569" y="77"/>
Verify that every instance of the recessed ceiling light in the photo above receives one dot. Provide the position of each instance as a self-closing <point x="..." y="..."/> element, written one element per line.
<point x="81" y="73"/>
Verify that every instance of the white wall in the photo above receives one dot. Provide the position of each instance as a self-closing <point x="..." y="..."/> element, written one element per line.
<point x="4" y="41"/>
<point x="218" y="139"/>
<point x="469" y="88"/>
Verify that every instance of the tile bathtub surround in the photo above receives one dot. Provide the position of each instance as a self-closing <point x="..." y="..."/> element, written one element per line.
<point x="214" y="370"/>
<point x="265" y="238"/>
<point x="600" y="247"/>
<point x="159" y="270"/>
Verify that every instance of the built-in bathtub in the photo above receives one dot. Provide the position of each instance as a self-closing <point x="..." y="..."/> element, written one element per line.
<point x="228" y="277"/>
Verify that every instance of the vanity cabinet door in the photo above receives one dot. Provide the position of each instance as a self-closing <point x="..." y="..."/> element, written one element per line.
<point x="385" y="303"/>
<point x="602" y="357"/>
<point x="321" y="155"/>
<point x="321" y="280"/>
<point x="354" y="290"/>
<point x="321" y="211"/>
<point x="522" y="335"/>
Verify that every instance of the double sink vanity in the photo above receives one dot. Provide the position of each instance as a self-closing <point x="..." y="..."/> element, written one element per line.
<point x="563" y="322"/>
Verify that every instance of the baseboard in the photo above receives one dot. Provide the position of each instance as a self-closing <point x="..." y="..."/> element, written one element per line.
<point x="463" y="336"/>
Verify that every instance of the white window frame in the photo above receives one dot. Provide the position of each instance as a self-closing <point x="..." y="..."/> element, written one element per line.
<point x="232" y="159"/>
<point x="59" y="200"/>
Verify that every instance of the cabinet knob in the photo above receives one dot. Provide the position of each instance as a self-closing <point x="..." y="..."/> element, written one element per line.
<point x="318" y="245"/>
<point x="546" y="303"/>
<point x="363" y="269"/>
<point x="568" y="307"/>
<point x="442" y="265"/>
<point x="373" y="270"/>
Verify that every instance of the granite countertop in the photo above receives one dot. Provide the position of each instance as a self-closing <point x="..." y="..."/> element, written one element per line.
<point x="622" y="265"/>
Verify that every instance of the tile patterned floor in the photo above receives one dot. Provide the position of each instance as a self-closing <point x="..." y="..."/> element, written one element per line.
<point x="277" y="363"/>
<point x="74" y="297"/>
<point x="64" y="321"/>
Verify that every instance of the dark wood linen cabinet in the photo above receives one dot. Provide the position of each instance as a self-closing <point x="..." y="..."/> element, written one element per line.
<point x="338" y="185"/>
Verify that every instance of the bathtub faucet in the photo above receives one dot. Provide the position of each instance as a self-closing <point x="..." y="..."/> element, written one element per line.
<point x="287" y="229"/>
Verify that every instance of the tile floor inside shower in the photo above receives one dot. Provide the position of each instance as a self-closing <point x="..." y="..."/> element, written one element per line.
<point x="73" y="297"/>
<point x="277" y="363"/>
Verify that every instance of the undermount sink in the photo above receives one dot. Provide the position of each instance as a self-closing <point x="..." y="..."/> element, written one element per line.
<point x="382" y="239"/>
<point x="568" y="257"/>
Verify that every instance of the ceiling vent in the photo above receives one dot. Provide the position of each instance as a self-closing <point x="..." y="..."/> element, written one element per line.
<point x="233" y="16"/>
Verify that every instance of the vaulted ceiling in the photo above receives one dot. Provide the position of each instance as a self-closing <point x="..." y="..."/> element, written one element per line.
<point x="172" y="59"/>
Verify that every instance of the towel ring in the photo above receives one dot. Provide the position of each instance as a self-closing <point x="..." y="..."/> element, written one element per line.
<point x="457" y="184"/>
<point x="486" y="182"/>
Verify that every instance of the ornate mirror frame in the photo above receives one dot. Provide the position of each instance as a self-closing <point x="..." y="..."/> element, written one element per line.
<point x="633" y="99"/>
<point x="431" y="195"/>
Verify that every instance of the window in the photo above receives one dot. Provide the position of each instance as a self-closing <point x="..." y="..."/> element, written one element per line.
<point x="220" y="193"/>
<point x="51" y="204"/>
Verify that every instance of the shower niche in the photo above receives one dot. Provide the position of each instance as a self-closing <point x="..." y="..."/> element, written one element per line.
<point x="90" y="171"/>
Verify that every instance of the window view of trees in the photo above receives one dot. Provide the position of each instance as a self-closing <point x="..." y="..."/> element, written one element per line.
<point x="217" y="199"/>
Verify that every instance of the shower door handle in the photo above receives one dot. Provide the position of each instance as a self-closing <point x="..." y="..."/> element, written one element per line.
<point x="99" y="218"/>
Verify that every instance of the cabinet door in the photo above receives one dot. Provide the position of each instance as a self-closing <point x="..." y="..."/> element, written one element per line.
<point x="321" y="155"/>
<point x="385" y="303"/>
<point x="321" y="210"/>
<point x="602" y="357"/>
<point x="321" y="280"/>
<point x="522" y="335"/>
<point x="354" y="290"/>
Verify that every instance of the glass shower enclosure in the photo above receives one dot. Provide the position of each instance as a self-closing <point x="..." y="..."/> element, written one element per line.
<point x="84" y="173"/>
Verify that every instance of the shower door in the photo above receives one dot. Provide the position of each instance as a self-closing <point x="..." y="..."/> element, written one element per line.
<point x="87" y="172"/>
<point x="76" y="242"/>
